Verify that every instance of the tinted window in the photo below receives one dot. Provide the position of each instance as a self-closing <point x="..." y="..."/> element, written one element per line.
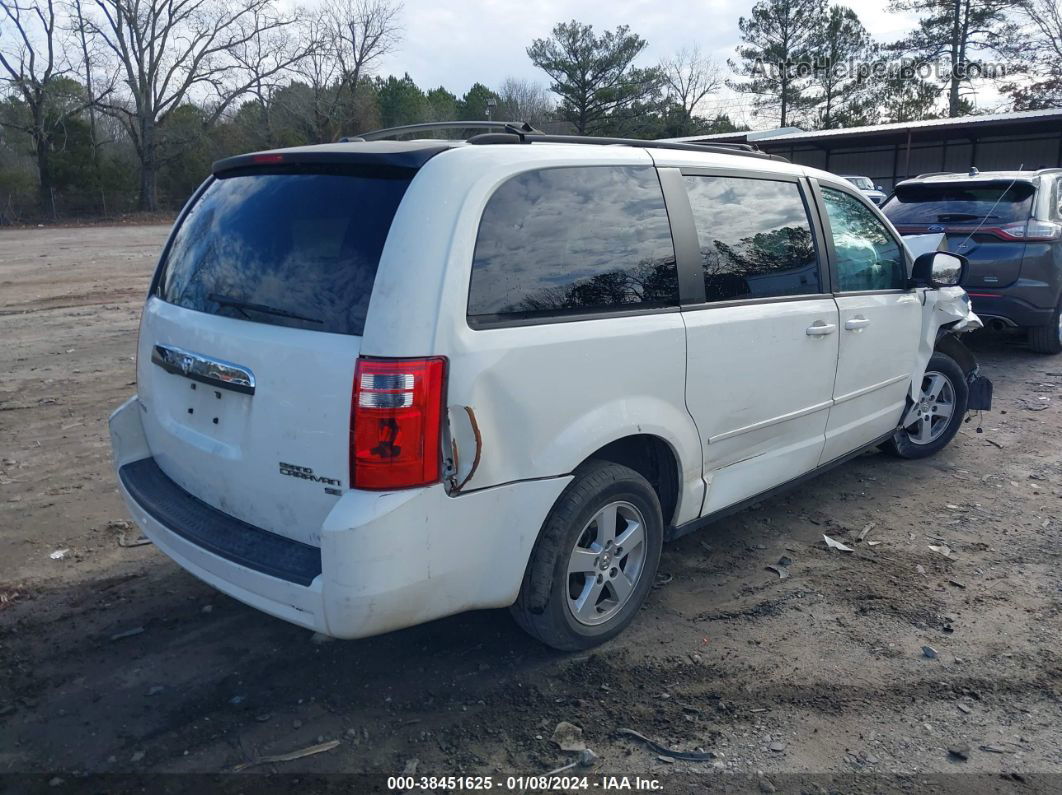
<point x="930" y="203"/>
<point x="297" y="249"/>
<point x="574" y="240"/>
<point x="868" y="257"/>
<point x="754" y="236"/>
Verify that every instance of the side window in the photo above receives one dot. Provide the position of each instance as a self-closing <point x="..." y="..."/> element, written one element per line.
<point x="868" y="257"/>
<point x="574" y="240"/>
<point x="754" y="236"/>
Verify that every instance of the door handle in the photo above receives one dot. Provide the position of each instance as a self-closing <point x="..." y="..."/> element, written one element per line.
<point x="856" y="323"/>
<point x="820" y="329"/>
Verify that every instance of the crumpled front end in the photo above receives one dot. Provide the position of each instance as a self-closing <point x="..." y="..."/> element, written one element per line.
<point x="947" y="313"/>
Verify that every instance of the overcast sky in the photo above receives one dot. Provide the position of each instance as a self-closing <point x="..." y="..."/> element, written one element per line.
<point x="454" y="43"/>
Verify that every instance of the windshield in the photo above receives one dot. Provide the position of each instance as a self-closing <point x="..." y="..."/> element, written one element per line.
<point x="296" y="249"/>
<point x="863" y="183"/>
<point x="996" y="202"/>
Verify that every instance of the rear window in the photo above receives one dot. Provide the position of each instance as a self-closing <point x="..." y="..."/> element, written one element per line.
<point x="573" y="240"/>
<point x="997" y="202"/>
<point x="289" y="249"/>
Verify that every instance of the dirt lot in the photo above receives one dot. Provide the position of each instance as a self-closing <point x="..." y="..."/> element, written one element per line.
<point x="819" y="674"/>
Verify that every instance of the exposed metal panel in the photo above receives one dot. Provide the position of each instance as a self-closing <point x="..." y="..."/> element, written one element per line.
<point x="972" y="122"/>
<point x="957" y="157"/>
<point x="873" y="163"/>
<point x="1012" y="153"/>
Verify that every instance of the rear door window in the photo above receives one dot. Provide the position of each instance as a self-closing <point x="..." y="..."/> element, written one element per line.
<point x="290" y="249"/>
<point x="995" y="203"/>
<point x="574" y="240"/>
<point x="754" y="236"/>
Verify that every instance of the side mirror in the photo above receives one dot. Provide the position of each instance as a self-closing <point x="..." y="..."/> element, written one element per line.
<point x="938" y="269"/>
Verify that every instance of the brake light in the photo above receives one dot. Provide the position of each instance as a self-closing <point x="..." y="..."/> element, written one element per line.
<point x="396" y="422"/>
<point x="264" y="160"/>
<point x="1029" y="230"/>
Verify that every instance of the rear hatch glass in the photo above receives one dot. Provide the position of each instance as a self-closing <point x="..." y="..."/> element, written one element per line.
<point x="971" y="216"/>
<point x="296" y="249"/>
<point x="996" y="203"/>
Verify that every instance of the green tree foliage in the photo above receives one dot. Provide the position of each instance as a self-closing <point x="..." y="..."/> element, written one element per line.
<point x="476" y="103"/>
<point x="400" y="101"/>
<point x="442" y="105"/>
<point x="907" y="97"/>
<point x="956" y="33"/>
<point x="841" y="93"/>
<point x="593" y="75"/>
<point x="778" y="37"/>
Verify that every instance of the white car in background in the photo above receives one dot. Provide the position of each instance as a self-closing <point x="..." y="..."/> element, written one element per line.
<point x="381" y="382"/>
<point x="868" y="188"/>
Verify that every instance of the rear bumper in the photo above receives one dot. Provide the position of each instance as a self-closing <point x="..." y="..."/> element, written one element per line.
<point x="1013" y="311"/>
<point x="387" y="560"/>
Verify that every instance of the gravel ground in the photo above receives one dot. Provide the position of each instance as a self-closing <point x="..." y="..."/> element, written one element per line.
<point x="115" y="661"/>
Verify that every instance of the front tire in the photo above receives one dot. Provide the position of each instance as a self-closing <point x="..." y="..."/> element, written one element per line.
<point x="938" y="413"/>
<point x="1048" y="339"/>
<point x="594" y="561"/>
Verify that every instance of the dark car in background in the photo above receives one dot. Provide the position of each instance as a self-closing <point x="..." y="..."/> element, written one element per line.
<point x="1009" y="226"/>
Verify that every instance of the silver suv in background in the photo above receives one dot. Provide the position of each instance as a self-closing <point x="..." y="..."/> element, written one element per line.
<point x="1008" y="224"/>
<point x="867" y="188"/>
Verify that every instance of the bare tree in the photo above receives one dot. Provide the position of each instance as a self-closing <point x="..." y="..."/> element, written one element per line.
<point x="319" y="109"/>
<point x="170" y="50"/>
<point x="688" y="78"/>
<point x="269" y="55"/>
<point x="363" y="32"/>
<point x="1040" y="52"/>
<point x="524" y="100"/>
<point x="35" y="62"/>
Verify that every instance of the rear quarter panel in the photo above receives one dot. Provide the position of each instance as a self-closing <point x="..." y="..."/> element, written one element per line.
<point x="545" y="396"/>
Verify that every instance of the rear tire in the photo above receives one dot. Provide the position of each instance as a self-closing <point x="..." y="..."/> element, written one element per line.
<point x="1048" y="339"/>
<point x="944" y="396"/>
<point x="595" y="559"/>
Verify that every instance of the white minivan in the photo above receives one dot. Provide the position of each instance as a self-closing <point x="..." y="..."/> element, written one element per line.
<point x="380" y="382"/>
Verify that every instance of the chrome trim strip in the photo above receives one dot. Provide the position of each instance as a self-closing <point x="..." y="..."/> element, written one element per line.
<point x="205" y="369"/>
<point x="773" y="421"/>
<point x="868" y="389"/>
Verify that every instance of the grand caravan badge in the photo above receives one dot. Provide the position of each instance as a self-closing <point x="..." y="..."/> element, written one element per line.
<point x="305" y="473"/>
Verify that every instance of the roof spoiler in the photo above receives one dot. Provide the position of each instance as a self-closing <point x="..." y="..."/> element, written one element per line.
<point x="399" y="158"/>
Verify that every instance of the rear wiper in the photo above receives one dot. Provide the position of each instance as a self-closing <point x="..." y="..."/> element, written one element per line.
<point x="236" y="303"/>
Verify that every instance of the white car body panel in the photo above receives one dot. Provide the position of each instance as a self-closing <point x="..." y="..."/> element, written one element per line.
<point x="233" y="465"/>
<point x="759" y="388"/>
<point x="878" y="339"/>
<point x="743" y="397"/>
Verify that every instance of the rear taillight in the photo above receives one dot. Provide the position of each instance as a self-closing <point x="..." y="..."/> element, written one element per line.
<point x="396" y="422"/>
<point x="1029" y="230"/>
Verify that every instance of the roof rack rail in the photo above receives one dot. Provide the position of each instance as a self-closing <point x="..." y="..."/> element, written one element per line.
<point x="508" y="132"/>
<point x="522" y="135"/>
<point x="405" y="129"/>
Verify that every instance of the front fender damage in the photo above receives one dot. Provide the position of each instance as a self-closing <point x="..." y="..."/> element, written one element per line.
<point x="947" y="313"/>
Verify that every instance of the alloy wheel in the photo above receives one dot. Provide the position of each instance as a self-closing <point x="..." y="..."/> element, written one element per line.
<point x="606" y="563"/>
<point x="934" y="409"/>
